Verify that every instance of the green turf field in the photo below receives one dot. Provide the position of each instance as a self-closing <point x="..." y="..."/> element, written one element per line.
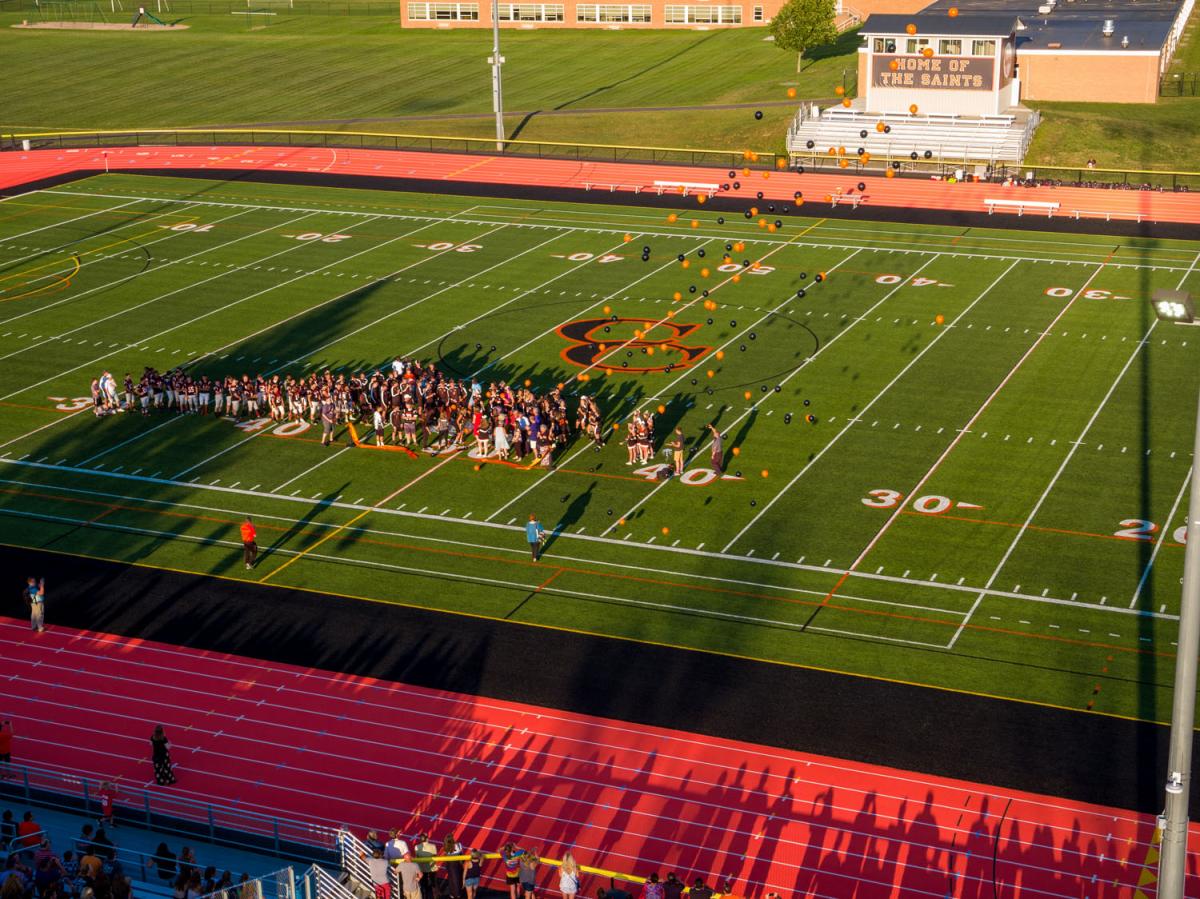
<point x="992" y="504"/>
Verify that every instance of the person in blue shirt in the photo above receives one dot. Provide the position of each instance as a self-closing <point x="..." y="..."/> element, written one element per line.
<point x="535" y="534"/>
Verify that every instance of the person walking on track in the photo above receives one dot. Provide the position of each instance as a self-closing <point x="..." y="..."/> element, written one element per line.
<point x="536" y="535"/>
<point x="35" y="596"/>
<point x="249" y="546"/>
<point x="160" y="747"/>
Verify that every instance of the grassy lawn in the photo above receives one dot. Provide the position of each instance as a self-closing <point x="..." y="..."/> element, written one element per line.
<point x="323" y="67"/>
<point x="1164" y="136"/>
<point x="987" y="495"/>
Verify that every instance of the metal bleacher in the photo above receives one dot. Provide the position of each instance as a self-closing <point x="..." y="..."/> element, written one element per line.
<point x="992" y="140"/>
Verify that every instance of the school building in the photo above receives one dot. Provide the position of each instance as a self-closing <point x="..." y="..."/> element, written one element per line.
<point x="691" y="14"/>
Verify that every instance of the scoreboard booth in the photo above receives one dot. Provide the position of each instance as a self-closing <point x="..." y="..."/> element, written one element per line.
<point x="959" y="66"/>
<point x="932" y="88"/>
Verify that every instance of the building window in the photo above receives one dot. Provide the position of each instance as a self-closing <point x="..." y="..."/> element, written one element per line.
<point x="950" y="46"/>
<point x="885" y="45"/>
<point x="531" y="12"/>
<point x="703" y="15"/>
<point x="443" y="12"/>
<point x="758" y="14"/>
<point x="983" y="48"/>
<point x="590" y="12"/>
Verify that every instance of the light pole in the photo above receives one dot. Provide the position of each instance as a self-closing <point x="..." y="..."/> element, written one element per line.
<point x="1177" y="306"/>
<point x="496" y="61"/>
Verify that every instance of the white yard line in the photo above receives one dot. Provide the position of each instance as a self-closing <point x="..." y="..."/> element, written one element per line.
<point x="850" y="424"/>
<point x="584" y="538"/>
<point x="684" y="373"/>
<point x="222" y="274"/>
<point x="134" y="438"/>
<point x="216" y="455"/>
<point x="734" y="231"/>
<point x="417" y="479"/>
<point x="310" y="469"/>
<point x="703" y="445"/>
<point x="125" y="279"/>
<point x="1162" y="537"/>
<point x="8" y="238"/>
<point x="50" y="424"/>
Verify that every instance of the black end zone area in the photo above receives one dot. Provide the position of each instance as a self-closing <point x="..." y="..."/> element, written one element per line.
<point x="1081" y="756"/>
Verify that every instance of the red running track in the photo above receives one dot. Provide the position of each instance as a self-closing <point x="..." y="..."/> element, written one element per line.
<point x="20" y="167"/>
<point x="325" y="748"/>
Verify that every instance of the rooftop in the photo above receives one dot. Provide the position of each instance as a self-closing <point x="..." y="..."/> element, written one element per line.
<point x="996" y="24"/>
<point x="1072" y="24"/>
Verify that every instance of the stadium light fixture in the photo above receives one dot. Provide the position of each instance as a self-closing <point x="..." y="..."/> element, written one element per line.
<point x="1174" y="820"/>
<point x="1174" y="306"/>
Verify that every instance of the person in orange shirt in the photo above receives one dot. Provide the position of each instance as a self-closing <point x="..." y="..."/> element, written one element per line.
<point x="249" y="546"/>
<point x="29" y="832"/>
<point x="6" y="738"/>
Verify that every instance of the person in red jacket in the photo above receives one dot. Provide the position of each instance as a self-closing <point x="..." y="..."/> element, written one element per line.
<point x="249" y="546"/>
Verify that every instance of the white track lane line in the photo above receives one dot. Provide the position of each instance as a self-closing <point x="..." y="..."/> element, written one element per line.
<point x="788" y="486"/>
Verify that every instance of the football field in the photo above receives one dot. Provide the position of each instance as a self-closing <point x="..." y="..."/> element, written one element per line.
<point x="954" y="457"/>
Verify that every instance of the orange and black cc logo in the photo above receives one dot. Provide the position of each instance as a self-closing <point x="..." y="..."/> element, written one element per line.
<point x="600" y="343"/>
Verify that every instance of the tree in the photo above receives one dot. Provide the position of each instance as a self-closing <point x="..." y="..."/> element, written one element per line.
<point x="803" y="24"/>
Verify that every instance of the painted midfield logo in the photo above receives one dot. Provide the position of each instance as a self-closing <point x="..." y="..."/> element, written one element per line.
<point x="593" y="347"/>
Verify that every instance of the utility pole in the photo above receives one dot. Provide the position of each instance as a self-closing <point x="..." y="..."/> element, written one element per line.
<point x="1174" y="819"/>
<point x="496" y="61"/>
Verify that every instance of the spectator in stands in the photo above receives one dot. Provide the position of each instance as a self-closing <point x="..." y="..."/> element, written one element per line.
<point x="568" y="876"/>
<point x="372" y="842"/>
<point x="425" y="849"/>
<point x="410" y="877"/>
<point x="613" y="892"/>
<point x="8" y="827"/>
<point x="208" y="883"/>
<point x="122" y="888"/>
<point x="700" y="890"/>
<point x="108" y="794"/>
<point x="103" y="846"/>
<point x="673" y="887"/>
<point x="160" y="746"/>
<point x="528" y="875"/>
<point x="396" y="848"/>
<point x="164" y="861"/>
<point x="179" y="889"/>
<point x="87" y="836"/>
<point x="510" y="856"/>
<point x="378" y="867"/>
<point x="71" y="868"/>
<point x="473" y="874"/>
<point x="102" y="886"/>
<point x="90" y="865"/>
<point x="248" y="889"/>
<point x="194" y="886"/>
<point x="29" y="832"/>
<point x="187" y="862"/>
<point x="225" y="884"/>
<point x="653" y="889"/>
<point x="48" y="871"/>
<point x="14" y="886"/>
<point x="453" y="870"/>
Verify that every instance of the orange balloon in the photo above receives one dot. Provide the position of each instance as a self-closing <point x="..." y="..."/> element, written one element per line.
<point x="762" y="223"/>
<point x="607" y="310"/>
<point x="765" y="472"/>
<point x="913" y="109"/>
<point x="846" y="102"/>
<point x="701" y="199"/>
<point x="672" y="218"/>
<point x="894" y="66"/>
<point x="839" y="90"/>
<point x="695" y="223"/>
<point x="800" y="202"/>
<point x="736" y="279"/>
<point x="845" y="163"/>
<point x="747" y="395"/>
<point x="891" y="173"/>
<point x="661" y="409"/>
<point x="746" y="173"/>
<point x="710" y="373"/>
<point x="720" y="355"/>
<point x="939" y="319"/>
<point x="737" y="450"/>
<point x="879" y="127"/>
<point x="666" y="530"/>
<point x="841" y="151"/>
<point x="686" y="263"/>
<point x="781" y="164"/>
<point x="910" y="28"/>
<point x="791" y="91"/>
<point x="766" y="174"/>
<point x="677" y="296"/>
<point x="952" y="12"/>
<point x="703" y="273"/>
<point x="771" y="227"/>
<point x="753" y="211"/>
<point x="628" y="237"/>
<point x="927" y="52"/>
<point x="738" y="247"/>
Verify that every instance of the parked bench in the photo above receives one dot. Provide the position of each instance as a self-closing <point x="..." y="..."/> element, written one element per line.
<point x="686" y="188"/>
<point x="612" y="188"/>
<point x="855" y="200"/>
<point x="1108" y="216"/>
<point x="1021" y="205"/>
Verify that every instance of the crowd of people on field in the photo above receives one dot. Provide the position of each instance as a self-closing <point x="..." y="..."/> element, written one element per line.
<point x="413" y="869"/>
<point x="93" y="869"/>
<point x="409" y="403"/>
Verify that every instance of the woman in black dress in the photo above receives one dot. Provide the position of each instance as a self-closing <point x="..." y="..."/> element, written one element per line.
<point x="164" y="776"/>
